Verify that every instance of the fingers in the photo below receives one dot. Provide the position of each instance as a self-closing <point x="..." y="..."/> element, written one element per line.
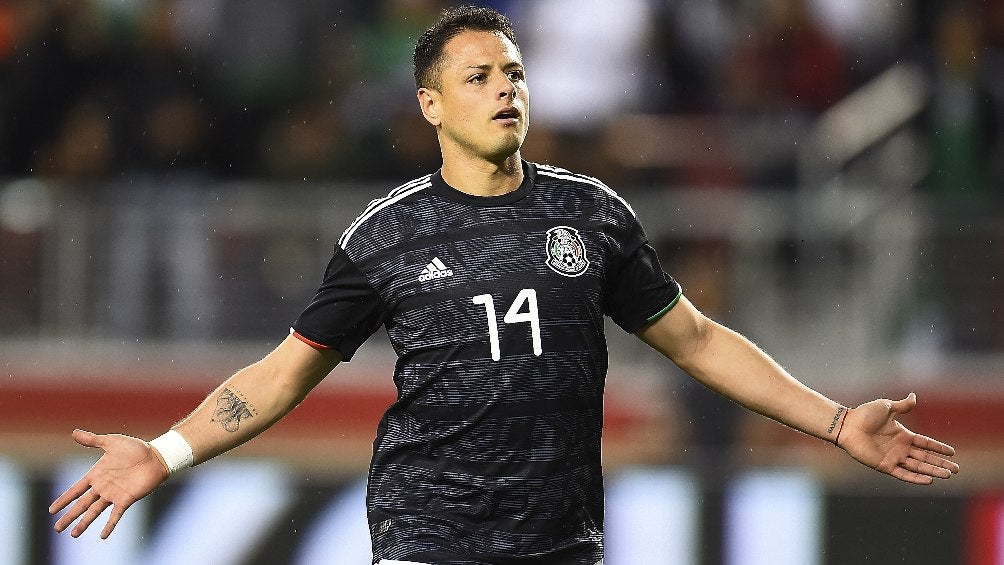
<point x="931" y="444"/>
<point x="92" y="513"/>
<point x="930" y="458"/>
<point x="904" y="406"/>
<point x="922" y="466"/>
<point x="88" y="508"/>
<point x="83" y="505"/>
<point x="73" y="493"/>
<point x="911" y="476"/>
<point x="87" y="439"/>
<point x="117" y="512"/>
<point x="932" y="468"/>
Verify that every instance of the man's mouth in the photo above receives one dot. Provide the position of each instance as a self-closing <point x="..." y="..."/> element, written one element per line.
<point x="507" y="115"/>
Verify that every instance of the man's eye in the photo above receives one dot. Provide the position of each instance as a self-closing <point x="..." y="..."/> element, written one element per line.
<point x="477" y="79"/>
<point x="516" y="76"/>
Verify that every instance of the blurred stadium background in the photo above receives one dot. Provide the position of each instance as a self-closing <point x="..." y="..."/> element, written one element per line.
<point x="821" y="175"/>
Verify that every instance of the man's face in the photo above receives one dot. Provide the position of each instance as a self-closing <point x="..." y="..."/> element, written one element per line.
<point x="482" y="105"/>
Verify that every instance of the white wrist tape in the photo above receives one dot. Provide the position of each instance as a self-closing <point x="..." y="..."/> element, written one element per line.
<point x="175" y="450"/>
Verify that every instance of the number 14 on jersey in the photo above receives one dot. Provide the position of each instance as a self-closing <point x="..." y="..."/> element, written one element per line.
<point x="515" y="315"/>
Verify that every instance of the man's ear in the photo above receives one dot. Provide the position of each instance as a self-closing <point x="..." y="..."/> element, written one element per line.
<point x="430" y="100"/>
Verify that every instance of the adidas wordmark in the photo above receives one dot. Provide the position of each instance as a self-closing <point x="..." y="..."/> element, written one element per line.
<point x="435" y="270"/>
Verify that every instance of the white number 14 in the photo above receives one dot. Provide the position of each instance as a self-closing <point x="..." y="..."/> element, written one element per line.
<point x="515" y="315"/>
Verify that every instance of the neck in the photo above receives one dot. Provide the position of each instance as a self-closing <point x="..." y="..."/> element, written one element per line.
<point x="484" y="178"/>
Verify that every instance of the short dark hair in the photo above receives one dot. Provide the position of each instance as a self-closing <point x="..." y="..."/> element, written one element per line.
<point x="429" y="47"/>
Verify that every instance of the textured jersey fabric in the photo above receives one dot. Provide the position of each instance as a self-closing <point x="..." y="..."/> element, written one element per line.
<point x="495" y="307"/>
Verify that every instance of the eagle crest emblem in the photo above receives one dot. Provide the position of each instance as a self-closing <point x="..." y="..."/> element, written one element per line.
<point x="566" y="253"/>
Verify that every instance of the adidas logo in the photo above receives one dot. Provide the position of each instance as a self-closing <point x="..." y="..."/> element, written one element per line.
<point x="435" y="270"/>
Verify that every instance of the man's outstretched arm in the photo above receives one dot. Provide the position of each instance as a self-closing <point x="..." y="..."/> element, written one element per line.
<point x="242" y="407"/>
<point x="731" y="365"/>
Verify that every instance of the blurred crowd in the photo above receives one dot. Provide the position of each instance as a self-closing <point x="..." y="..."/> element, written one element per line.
<point x="153" y="102"/>
<point x="322" y="89"/>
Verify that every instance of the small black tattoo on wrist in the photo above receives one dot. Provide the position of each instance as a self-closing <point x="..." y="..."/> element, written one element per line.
<point x="836" y="419"/>
<point x="230" y="410"/>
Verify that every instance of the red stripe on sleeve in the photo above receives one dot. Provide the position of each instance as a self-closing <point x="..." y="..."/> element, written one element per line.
<point x="310" y="342"/>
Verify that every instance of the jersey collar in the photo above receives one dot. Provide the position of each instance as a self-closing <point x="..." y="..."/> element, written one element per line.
<point x="441" y="188"/>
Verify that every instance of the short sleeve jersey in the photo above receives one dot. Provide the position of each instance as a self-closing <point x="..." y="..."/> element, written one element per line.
<point x="495" y="307"/>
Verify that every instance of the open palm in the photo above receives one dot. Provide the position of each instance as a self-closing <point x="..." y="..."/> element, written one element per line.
<point x="873" y="435"/>
<point x="128" y="471"/>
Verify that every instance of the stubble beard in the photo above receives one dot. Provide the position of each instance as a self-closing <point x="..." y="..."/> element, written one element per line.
<point x="497" y="151"/>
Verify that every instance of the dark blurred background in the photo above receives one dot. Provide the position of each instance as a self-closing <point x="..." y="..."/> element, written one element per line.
<point x="824" y="176"/>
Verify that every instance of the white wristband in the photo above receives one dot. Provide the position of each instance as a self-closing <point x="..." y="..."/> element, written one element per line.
<point x="175" y="450"/>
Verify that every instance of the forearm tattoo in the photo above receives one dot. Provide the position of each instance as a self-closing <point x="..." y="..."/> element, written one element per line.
<point x="231" y="409"/>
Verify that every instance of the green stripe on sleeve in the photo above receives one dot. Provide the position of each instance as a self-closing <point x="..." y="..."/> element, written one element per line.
<point x="668" y="307"/>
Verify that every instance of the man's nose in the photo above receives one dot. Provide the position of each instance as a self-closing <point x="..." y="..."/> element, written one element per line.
<point x="508" y="89"/>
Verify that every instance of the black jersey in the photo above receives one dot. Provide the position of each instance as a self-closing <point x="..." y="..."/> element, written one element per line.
<point x="495" y="307"/>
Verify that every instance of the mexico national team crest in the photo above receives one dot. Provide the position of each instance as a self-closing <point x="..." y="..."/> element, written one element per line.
<point x="566" y="254"/>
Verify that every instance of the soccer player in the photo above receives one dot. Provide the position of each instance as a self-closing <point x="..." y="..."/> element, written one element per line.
<point x="492" y="277"/>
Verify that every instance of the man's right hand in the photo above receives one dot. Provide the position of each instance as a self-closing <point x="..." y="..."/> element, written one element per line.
<point x="129" y="470"/>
